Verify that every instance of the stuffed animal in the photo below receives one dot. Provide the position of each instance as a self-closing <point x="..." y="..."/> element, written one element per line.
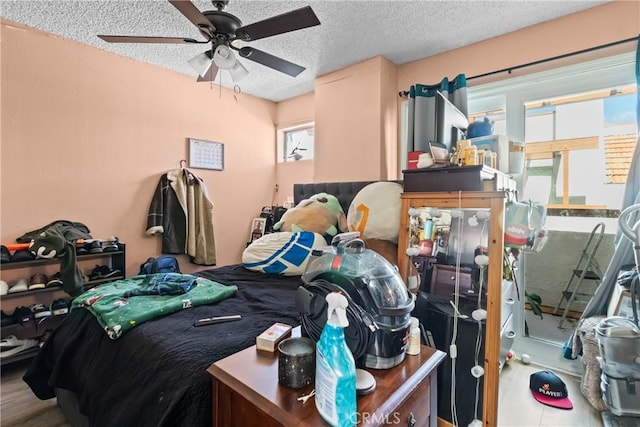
<point x="320" y="213"/>
<point x="375" y="211"/>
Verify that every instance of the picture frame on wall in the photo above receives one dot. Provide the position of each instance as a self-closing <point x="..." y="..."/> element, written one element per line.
<point x="258" y="226"/>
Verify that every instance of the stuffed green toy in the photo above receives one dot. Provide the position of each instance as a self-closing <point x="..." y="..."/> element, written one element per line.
<point x="320" y="213"/>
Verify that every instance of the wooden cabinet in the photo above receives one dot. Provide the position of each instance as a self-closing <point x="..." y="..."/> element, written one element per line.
<point x="246" y="393"/>
<point x="11" y="271"/>
<point x="490" y="226"/>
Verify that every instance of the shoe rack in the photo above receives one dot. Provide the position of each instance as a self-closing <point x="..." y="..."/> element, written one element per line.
<point x="38" y="328"/>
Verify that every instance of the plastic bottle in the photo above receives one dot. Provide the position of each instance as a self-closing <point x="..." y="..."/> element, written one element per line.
<point x="414" y="337"/>
<point x="335" y="368"/>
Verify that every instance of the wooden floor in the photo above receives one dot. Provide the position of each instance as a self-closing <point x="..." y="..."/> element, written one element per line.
<point x="20" y="408"/>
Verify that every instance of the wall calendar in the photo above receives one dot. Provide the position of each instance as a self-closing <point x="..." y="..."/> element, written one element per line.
<point x="206" y="154"/>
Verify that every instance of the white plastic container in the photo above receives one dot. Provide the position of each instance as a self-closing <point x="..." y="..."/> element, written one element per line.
<point x="621" y="395"/>
<point x="414" y="337"/>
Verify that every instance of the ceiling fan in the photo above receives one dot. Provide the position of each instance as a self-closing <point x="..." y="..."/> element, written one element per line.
<point x="222" y="29"/>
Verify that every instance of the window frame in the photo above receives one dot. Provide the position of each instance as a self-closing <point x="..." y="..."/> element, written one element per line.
<point x="512" y="94"/>
<point x="281" y="150"/>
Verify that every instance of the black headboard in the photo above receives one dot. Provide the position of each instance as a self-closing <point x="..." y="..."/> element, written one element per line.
<point x="344" y="191"/>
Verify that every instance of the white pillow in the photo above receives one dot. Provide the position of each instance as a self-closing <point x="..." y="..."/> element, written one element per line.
<point x="283" y="253"/>
<point x="375" y="211"/>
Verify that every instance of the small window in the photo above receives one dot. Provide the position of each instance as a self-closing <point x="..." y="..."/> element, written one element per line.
<point x="296" y="143"/>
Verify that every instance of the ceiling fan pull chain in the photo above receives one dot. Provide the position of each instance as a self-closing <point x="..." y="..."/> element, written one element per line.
<point x="236" y="91"/>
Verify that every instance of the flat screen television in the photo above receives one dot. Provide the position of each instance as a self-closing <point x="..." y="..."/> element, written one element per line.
<point x="451" y="125"/>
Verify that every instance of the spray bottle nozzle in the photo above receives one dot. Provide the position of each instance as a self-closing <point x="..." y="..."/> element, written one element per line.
<point x="337" y="309"/>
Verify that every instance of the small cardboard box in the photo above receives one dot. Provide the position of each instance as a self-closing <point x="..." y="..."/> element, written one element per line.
<point x="269" y="339"/>
<point x="623" y="307"/>
<point x="620" y="303"/>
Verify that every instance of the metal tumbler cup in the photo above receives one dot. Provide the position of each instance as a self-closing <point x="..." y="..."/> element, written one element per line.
<point x="297" y="362"/>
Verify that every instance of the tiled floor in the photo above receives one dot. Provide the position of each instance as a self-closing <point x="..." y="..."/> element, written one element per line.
<point x="518" y="408"/>
<point x="547" y="327"/>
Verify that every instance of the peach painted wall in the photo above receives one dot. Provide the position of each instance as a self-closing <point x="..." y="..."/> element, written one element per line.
<point x="597" y="26"/>
<point x="292" y="112"/>
<point x="351" y="124"/>
<point x="388" y="120"/>
<point x="86" y="135"/>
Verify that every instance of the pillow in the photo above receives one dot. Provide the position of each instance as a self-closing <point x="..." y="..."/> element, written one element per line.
<point x="283" y="253"/>
<point x="375" y="211"/>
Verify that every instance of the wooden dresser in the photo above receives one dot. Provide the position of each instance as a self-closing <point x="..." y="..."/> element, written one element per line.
<point x="246" y="393"/>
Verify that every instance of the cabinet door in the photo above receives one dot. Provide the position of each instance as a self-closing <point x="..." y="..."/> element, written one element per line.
<point x="465" y="233"/>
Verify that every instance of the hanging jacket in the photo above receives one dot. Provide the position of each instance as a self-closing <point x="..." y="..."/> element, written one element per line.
<point x="183" y="214"/>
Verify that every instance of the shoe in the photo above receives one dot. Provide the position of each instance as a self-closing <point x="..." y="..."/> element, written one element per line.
<point x="22" y="255"/>
<point x="7" y="319"/>
<point x="23" y="315"/>
<point x="11" y="346"/>
<point x="22" y="285"/>
<point x="103" y="272"/>
<point x="110" y="244"/>
<point x="5" y="255"/>
<point x="55" y="280"/>
<point x="59" y="307"/>
<point x="94" y="246"/>
<point x="40" y="311"/>
<point x="37" y="281"/>
<point x="4" y="287"/>
<point x="81" y="249"/>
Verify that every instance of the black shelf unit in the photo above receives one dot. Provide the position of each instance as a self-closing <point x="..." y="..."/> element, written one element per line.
<point x="36" y="328"/>
<point x="117" y="260"/>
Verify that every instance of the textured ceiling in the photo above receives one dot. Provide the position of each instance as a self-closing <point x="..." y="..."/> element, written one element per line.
<point x="350" y="31"/>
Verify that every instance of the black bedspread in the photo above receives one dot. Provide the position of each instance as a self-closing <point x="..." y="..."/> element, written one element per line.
<point x="155" y="374"/>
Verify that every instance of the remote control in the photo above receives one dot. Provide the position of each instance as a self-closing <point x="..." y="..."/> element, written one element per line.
<point x="219" y="319"/>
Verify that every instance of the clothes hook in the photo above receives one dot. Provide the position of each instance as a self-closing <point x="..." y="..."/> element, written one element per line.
<point x="183" y="163"/>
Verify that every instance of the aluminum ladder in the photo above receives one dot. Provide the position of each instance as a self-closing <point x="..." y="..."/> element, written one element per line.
<point x="586" y="269"/>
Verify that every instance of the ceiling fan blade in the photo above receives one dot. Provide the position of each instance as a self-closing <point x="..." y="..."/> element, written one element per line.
<point x="193" y="14"/>
<point x="271" y="61"/>
<point x="211" y="74"/>
<point x="143" y="39"/>
<point x="280" y="24"/>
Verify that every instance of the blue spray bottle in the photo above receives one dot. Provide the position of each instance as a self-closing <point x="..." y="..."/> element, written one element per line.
<point x="335" y="368"/>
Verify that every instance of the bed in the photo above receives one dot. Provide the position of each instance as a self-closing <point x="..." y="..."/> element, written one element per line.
<point x="155" y="374"/>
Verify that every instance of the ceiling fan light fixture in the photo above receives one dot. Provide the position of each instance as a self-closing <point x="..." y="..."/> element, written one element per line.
<point x="201" y="63"/>
<point x="238" y="72"/>
<point x="224" y="57"/>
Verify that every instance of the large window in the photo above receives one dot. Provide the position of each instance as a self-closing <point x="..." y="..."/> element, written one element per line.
<point x="579" y="127"/>
<point x="296" y="143"/>
<point x="565" y="136"/>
